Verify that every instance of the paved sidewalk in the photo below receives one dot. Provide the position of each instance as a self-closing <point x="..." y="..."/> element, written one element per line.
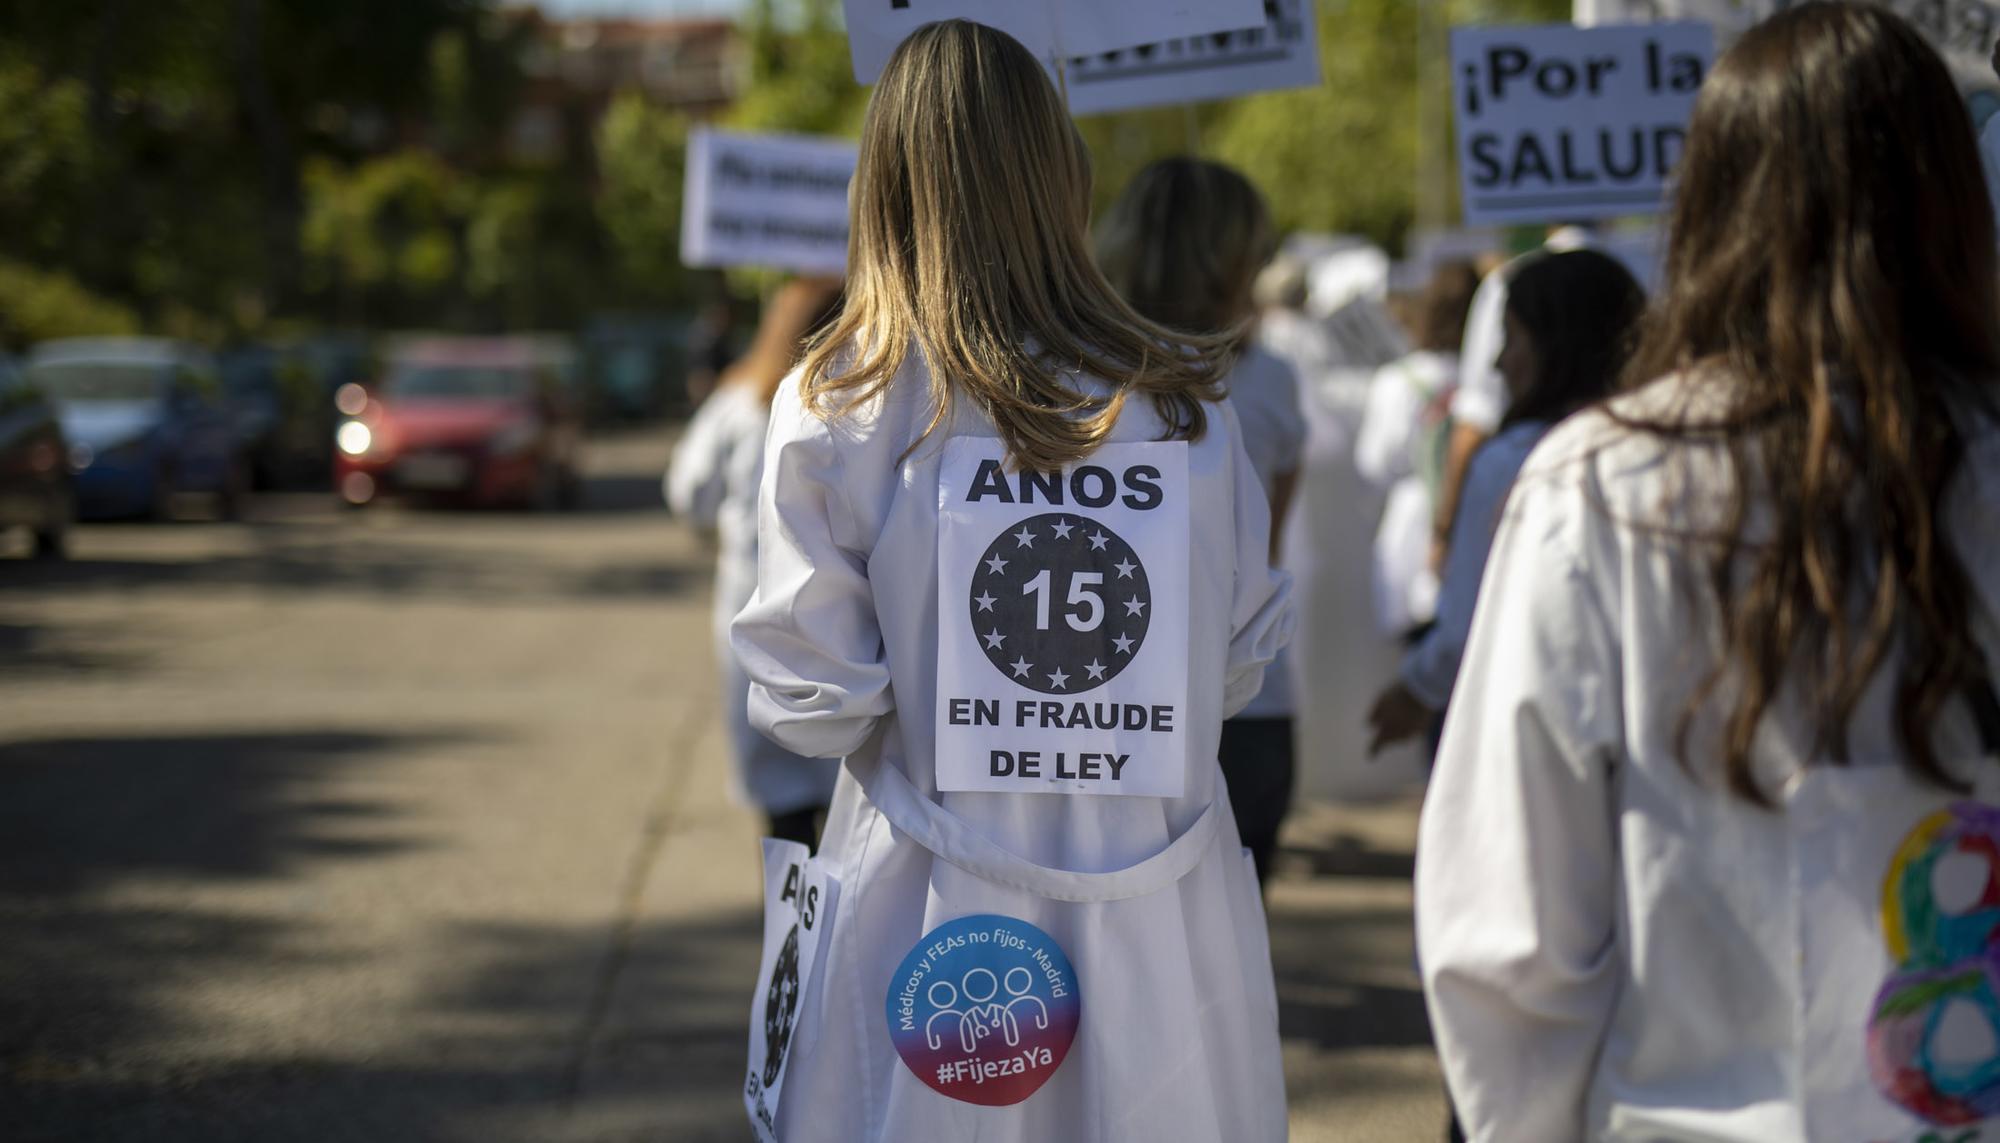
<point x="404" y="825"/>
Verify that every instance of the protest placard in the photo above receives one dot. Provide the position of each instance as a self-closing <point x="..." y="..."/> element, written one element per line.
<point x="1963" y="31"/>
<point x="1281" y="52"/>
<point x="1049" y="28"/>
<point x="1559" y="123"/>
<point x="778" y="201"/>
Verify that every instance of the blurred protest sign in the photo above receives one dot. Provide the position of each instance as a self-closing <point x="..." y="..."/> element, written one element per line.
<point x="778" y="201"/>
<point x="1281" y="52"/>
<point x="1963" y="31"/>
<point x="1558" y="123"/>
<point x="1049" y="28"/>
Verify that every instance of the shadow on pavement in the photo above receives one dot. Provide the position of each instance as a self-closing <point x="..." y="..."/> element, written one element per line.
<point x="38" y="650"/>
<point x="497" y="1053"/>
<point x="334" y="558"/>
<point x="1339" y="986"/>
<point x="1349" y="856"/>
<point x="157" y="925"/>
<point x="78" y="812"/>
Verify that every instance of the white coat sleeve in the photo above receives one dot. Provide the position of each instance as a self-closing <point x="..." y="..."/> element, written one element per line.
<point x="1261" y="616"/>
<point x="697" y="478"/>
<point x="1516" y="858"/>
<point x="809" y="638"/>
<point x="1481" y="400"/>
<point x="1382" y="448"/>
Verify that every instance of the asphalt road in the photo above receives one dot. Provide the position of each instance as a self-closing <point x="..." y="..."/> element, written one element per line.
<point x="410" y="825"/>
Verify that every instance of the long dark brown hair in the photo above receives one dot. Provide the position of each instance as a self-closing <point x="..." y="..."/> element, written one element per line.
<point x="1581" y="310"/>
<point x="1831" y="301"/>
<point x="1184" y="243"/>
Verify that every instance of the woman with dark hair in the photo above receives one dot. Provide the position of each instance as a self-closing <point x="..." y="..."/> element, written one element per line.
<point x="1569" y="321"/>
<point x="1184" y="244"/>
<point x="1711" y="851"/>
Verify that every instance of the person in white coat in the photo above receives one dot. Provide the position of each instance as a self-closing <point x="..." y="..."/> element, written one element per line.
<point x="1569" y="323"/>
<point x="1401" y="449"/>
<point x="712" y="483"/>
<point x="1184" y="243"/>
<point x="1712" y="851"/>
<point x="1013" y="570"/>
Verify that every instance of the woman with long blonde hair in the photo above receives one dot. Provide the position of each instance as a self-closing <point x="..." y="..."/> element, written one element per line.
<point x="1712" y="850"/>
<point x="712" y="483"/>
<point x="1013" y="571"/>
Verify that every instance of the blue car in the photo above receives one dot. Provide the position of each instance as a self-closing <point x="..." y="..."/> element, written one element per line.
<point x="145" y="422"/>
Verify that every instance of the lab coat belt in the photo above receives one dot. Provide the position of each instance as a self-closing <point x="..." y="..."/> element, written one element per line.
<point x="959" y="843"/>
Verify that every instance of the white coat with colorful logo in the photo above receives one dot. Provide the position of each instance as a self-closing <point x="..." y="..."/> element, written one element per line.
<point x="1017" y="966"/>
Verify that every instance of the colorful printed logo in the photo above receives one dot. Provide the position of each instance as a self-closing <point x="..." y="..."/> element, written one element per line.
<point x="984" y="1009"/>
<point x="1934" y="1039"/>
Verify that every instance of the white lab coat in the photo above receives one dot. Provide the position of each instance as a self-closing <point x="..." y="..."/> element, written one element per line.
<point x="1612" y="948"/>
<point x="712" y="483"/>
<point x="1264" y="388"/>
<point x="1153" y="899"/>
<point x="1385" y="452"/>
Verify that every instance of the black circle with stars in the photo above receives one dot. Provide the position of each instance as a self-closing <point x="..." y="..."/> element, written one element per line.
<point x="1095" y="599"/>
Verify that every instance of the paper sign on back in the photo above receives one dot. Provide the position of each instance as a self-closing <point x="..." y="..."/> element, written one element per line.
<point x="1063" y="621"/>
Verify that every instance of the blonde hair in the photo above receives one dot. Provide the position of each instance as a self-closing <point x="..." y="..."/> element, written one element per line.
<point x="970" y="213"/>
<point x="800" y="307"/>
<point x="1184" y="244"/>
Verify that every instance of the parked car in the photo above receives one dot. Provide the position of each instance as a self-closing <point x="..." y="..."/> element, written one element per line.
<point x="634" y="368"/>
<point x="282" y="407"/>
<point x="35" y="491"/>
<point x="145" y="422"/>
<point x="483" y="421"/>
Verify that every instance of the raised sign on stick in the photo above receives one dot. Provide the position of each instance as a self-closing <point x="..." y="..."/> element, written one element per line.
<point x="1558" y="123"/>
<point x="1049" y="28"/>
<point x="777" y="201"/>
<point x="1281" y="52"/>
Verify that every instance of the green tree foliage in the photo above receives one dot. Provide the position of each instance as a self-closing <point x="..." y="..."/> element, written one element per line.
<point x="802" y="78"/>
<point x="1340" y="157"/>
<point x="383" y="236"/>
<point x="641" y="167"/>
<point x="37" y="305"/>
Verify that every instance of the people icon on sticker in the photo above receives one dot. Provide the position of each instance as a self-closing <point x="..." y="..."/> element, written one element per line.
<point x="1008" y="992"/>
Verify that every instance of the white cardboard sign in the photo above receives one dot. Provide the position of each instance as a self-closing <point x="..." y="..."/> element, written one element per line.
<point x="1063" y="622"/>
<point x="1048" y="28"/>
<point x="1282" y="52"/>
<point x="799" y="899"/>
<point x="1963" y="31"/>
<point x="1558" y="123"/>
<point x="777" y="201"/>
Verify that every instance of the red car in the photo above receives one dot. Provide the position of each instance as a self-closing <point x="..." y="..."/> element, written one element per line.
<point x="480" y="421"/>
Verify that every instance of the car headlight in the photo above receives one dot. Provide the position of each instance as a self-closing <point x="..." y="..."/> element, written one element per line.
<point x="354" y="438"/>
<point x="81" y="456"/>
<point x="515" y="439"/>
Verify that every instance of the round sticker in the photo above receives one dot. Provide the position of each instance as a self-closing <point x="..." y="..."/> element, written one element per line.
<point x="1934" y="1036"/>
<point x="984" y="1009"/>
<point x="1060" y="604"/>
